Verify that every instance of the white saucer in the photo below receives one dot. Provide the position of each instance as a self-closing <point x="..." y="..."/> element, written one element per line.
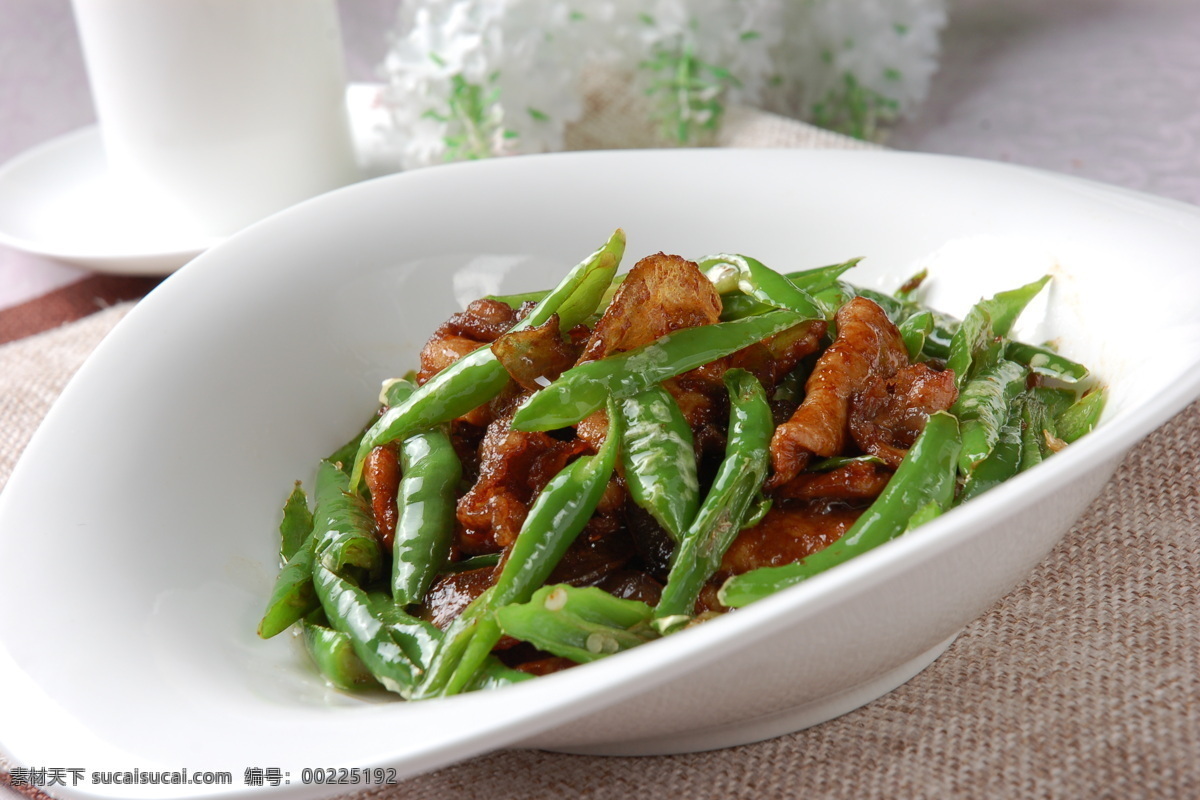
<point x="59" y="200"/>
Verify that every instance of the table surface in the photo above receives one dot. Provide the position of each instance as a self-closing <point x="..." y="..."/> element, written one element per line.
<point x="1103" y="89"/>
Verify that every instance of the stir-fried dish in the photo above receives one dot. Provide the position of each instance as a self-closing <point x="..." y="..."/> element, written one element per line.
<point x="574" y="472"/>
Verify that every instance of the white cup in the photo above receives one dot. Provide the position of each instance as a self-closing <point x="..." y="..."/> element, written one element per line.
<point x="228" y="110"/>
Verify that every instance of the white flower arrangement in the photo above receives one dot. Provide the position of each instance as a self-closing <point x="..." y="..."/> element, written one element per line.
<point x="477" y="78"/>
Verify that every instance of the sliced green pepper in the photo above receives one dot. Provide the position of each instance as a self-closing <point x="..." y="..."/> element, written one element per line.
<point x="582" y="624"/>
<point x="1082" y="417"/>
<point x="914" y="330"/>
<point x="426" y="500"/>
<point x="735" y="498"/>
<point x="340" y="534"/>
<point x="983" y="408"/>
<point x="1001" y="464"/>
<point x="297" y="524"/>
<point x="1045" y="362"/>
<point x="333" y="653"/>
<point x="583" y="389"/>
<point x="756" y="280"/>
<point x="659" y="458"/>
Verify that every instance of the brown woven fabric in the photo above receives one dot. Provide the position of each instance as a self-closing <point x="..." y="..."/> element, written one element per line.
<point x="33" y="373"/>
<point x="69" y="303"/>
<point x="21" y="788"/>
<point x="1081" y="683"/>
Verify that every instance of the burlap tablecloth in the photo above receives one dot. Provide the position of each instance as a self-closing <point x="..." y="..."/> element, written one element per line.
<point x="1082" y="683"/>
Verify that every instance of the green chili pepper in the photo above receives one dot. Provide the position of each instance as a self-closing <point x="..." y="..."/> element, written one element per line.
<point x="969" y="344"/>
<point x="577" y="296"/>
<point x="394" y="392"/>
<point x="1034" y="421"/>
<point x="392" y="645"/>
<point x="474" y="562"/>
<point x="495" y="674"/>
<point x="344" y="528"/>
<point x="1046" y="362"/>
<point x="1005" y="307"/>
<point x="340" y="533"/>
<point x="834" y="462"/>
<point x="293" y="595"/>
<point x="466" y="384"/>
<point x="582" y="624"/>
<point x="737" y="305"/>
<point x="927" y="474"/>
<point x="730" y="501"/>
<point x="466" y="643"/>
<point x="982" y="409"/>
<point x="333" y="653"/>
<point x="330" y="650"/>
<point x="557" y="517"/>
<point x="906" y="291"/>
<point x="938" y="340"/>
<point x="1056" y="399"/>
<point x="584" y="388"/>
<point x="1082" y="417"/>
<point x="478" y="377"/>
<point x="820" y="278"/>
<point x="977" y="344"/>
<point x="759" y="282"/>
<point x="659" y="458"/>
<point x="297" y="524"/>
<point x="394" y="650"/>
<point x="926" y="513"/>
<point x="790" y="388"/>
<point x="914" y="331"/>
<point x="1001" y="464"/>
<point x="430" y="472"/>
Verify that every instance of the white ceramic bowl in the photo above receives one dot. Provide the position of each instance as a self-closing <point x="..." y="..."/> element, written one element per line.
<point x="137" y="535"/>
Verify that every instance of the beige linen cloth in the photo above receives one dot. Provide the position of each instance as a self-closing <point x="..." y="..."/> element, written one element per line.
<point x="1084" y="682"/>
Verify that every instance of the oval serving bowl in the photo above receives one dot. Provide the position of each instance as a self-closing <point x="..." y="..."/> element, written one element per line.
<point x="137" y="534"/>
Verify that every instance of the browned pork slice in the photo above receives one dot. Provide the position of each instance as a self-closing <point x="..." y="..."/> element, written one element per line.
<point x="787" y="534"/>
<point x="536" y="356"/>
<point x="382" y="476"/>
<point x="856" y="482"/>
<point x="887" y="416"/>
<point x="660" y="294"/>
<point x="452" y="593"/>
<point x="513" y="467"/>
<point x="868" y="346"/>
<point x="811" y="512"/>
<point x="481" y="323"/>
